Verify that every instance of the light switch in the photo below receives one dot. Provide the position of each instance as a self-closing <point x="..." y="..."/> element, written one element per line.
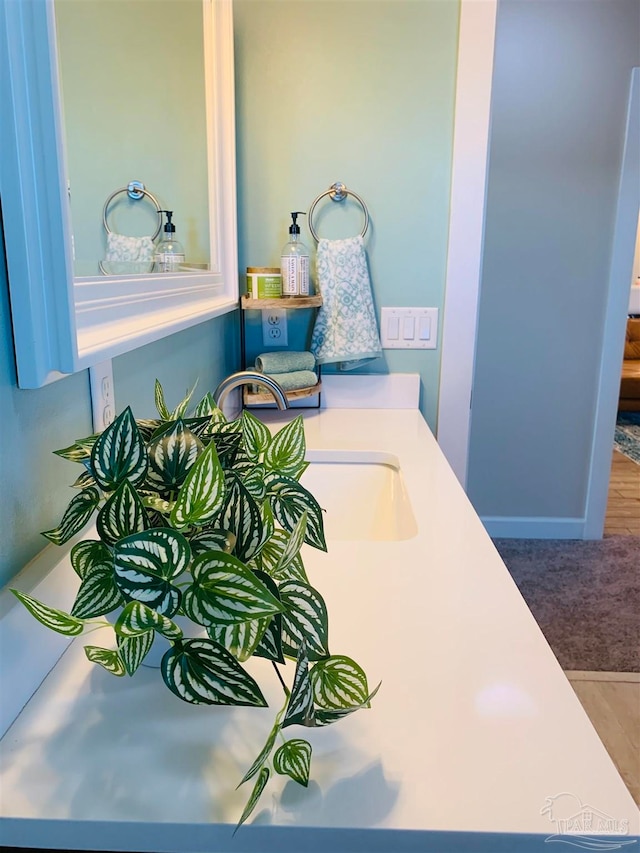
<point x="409" y="328"/>
<point x="425" y="328"/>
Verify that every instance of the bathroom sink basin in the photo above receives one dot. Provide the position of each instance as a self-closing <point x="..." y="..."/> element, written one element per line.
<point x="363" y="493"/>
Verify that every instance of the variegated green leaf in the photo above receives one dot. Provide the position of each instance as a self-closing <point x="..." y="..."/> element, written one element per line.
<point x="122" y="515"/>
<point x="297" y="473"/>
<point x="134" y="649"/>
<point x="161" y="406"/>
<point x="300" y="710"/>
<point x="293" y="545"/>
<point x="98" y="593"/>
<point x="204" y="673"/>
<point x="56" y="620"/>
<point x="227" y="447"/>
<point x="225" y="592"/>
<point x="146" y="563"/>
<point x="286" y="450"/>
<point x="243" y="639"/>
<point x="270" y="646"/>
<point x="216" y="419"/>
<point x="293" y="759"/>
<point x="268" y="524"/>
<point x="240" y="639"/>
<point x="206" y="406"/>
<point x="256" y="435"/>
<point x="214" y="539"/>
<point x="74" y="453"/>
<point x="202" y="494"/>
<point x="270" y="555"/>
<point x="137" y="618"/>
<point x="89" y="553"/>
<point x="147" y="427"/>
<point x="304" y="620"/>
<point x="338" y="682"/>
<point x="265" y="752"/>
<point x="181" y="408"/>
<point x="289" y="500"/>
<point x="325" y="716"/>
<point x="228" y="428"/>
<point x="107" y="658"/>
<point x="88" y="441"/>
<point x="242" y="516"/>
<point x="253" y="481"/>
<point x="76" y="515"/>
<point x="84" y="481"/>
<point x="172" y="454"/>
<point x="119" y="454"/>
<point x="263" y="778"/>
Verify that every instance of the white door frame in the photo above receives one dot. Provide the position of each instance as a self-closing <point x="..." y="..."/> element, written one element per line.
<point x="620" y="271"/>
<point x="472" y="125"/>
<point x="466" y="228"/>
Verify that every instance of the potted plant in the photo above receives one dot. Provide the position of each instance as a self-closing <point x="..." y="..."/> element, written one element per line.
<point x="205" y="518"/>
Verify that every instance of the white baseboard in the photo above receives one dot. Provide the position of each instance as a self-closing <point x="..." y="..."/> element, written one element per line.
<point x="505" y="527"/>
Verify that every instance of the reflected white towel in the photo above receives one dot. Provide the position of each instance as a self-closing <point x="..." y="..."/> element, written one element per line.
<point x="123" y="248"/>
<point x="346" y="330"/>
<point x="128" y="255"/>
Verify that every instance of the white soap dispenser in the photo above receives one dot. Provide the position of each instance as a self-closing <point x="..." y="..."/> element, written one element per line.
<point x="169" y="254"/>
<point x="294" y="261"/>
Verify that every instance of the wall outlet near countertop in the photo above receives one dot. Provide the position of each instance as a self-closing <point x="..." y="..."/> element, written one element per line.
<point x="103" y="404"/>
<point x="274" y="327"/>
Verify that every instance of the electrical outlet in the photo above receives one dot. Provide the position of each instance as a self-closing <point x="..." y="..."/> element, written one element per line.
<point x="103" y="404"/>
<point x="274" y="327"/>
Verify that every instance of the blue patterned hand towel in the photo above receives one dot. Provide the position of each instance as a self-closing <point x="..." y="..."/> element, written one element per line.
<point x="346" y="330"/>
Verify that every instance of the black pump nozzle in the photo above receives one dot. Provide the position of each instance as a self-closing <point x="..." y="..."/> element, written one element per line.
<point x="169" y="226"/>
<point x="294" y="228"/>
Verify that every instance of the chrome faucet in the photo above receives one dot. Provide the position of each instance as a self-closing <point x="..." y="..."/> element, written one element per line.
<point x="250" y="377"/>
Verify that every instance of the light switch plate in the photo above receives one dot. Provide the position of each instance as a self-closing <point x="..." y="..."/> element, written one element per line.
<point x="409" y="328"/>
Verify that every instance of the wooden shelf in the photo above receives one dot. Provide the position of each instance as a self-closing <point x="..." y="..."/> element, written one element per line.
<point x="249" y="304"/>
<point x="259" y="398"/>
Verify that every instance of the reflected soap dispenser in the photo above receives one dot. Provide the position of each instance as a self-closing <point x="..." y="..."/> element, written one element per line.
<point x="294" y="261"/>
<point x="169" y="254"/>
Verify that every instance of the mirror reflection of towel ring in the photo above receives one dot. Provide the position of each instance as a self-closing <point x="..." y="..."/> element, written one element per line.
<point x="135" y="190"/>
<point x="338" y="192"/>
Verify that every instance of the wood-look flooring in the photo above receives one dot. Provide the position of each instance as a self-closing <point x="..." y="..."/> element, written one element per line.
<point x="623" y="502"/>
<point x="612" y="699"/>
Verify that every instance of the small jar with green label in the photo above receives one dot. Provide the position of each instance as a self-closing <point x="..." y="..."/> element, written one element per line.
<point x="264" y="282"/>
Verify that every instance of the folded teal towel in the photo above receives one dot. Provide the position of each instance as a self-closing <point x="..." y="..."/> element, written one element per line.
<point x="285" y="362"/>
<point x="294" y="380"/>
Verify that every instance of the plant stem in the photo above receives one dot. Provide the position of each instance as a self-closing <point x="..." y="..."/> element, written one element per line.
<point x="284" y="686"/>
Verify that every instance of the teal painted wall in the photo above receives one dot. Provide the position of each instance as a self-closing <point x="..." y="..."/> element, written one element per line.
<point x="35" y="483"/>
<point x="361" y="92"/>
<point x="560" y="93"/>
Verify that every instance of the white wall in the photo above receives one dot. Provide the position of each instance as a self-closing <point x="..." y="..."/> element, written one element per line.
<point x="561" y="85"/>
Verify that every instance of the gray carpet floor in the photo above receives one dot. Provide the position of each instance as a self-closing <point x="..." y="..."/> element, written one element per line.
<point x="584" y="595"/>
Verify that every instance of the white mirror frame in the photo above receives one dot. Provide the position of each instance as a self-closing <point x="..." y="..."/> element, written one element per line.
<point x="64" y="324"/>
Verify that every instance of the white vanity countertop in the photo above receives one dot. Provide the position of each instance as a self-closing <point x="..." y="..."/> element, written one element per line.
<point x="474" y="728"/>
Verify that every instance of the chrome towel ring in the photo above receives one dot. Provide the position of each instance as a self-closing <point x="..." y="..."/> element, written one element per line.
<point x="337" y="192"/>
<point x="135" y="190"/>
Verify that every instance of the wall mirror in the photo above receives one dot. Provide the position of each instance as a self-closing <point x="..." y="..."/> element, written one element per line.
<point x="101" y="94"/>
